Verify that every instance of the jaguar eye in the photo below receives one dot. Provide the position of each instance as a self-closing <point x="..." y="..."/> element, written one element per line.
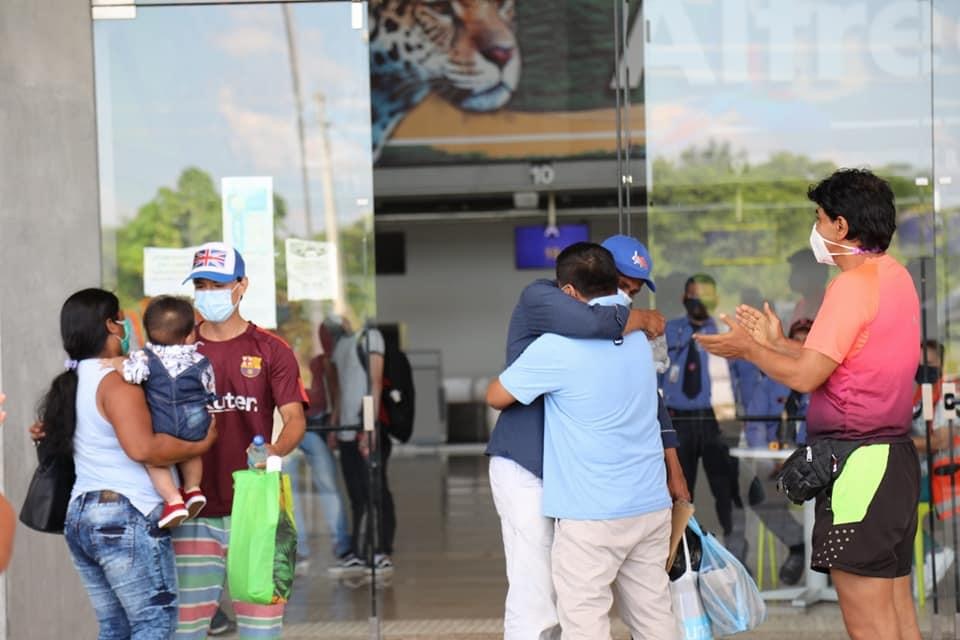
<point x="443" y="7"/>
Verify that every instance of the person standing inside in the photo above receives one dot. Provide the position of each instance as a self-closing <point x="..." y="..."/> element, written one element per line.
<point x="765" y="403"/>
<point x="256" y="373"/>
<point x="798" y="403"/>
<point x="358" y="357"/>
<point x="930" y="371"/>
<point x="808" y="278"/>
<point x="858" y="362"/>
<point x="516" y="452"/>
<point x="687" y="393"/>
<point x="604" y="478"/>
<point x="317" y="447"/>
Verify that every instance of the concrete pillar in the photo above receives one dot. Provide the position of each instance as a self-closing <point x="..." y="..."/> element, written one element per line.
<point x="49" y="247"/>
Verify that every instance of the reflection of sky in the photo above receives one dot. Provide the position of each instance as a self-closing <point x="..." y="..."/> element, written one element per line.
<point x="845" y="82"/>
<point x="210" y="87"/>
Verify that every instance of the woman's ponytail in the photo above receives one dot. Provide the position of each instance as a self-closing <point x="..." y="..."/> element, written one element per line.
<point x="58" y="413"/>
<point x="83" y="328"/>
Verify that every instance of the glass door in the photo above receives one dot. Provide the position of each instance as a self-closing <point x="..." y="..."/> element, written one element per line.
<point x="747" y="105"/>
<point x="945" y="177"/>
<point x="250" y="124"/>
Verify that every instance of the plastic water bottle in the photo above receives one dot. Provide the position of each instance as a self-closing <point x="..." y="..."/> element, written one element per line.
<point x="257" y="454"/>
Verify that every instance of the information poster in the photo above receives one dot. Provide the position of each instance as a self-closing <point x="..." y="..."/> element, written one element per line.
<point x="311" y="270"/>
<point x="164" y="270"/>
<point x="248" y="227"/>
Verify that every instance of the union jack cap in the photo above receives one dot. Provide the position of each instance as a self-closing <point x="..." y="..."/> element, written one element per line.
<point x="631" y="257"/>
<point x="218" y="262"/>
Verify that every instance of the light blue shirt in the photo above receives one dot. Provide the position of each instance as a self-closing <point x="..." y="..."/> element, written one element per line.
<point x="603" y="454"/>
<point x="745" y="377"/>
<point x="100" y="461"/>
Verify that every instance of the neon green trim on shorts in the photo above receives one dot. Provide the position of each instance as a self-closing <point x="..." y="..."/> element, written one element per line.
<point x="854" y="490"/>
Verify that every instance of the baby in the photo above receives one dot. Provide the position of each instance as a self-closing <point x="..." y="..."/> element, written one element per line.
<point x="178" y="383"/>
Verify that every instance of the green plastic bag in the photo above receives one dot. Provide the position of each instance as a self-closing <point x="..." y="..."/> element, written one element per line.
<point x="262" y="549"/>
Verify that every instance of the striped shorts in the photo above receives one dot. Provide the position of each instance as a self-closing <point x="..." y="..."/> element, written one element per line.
<point x="200" y="546"/>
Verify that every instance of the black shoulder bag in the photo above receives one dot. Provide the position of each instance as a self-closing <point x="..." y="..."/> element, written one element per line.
<point x="45" y="507"/>
<point x="811" y="469"/>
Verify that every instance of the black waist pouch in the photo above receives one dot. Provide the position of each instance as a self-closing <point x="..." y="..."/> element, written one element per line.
<point x="812" y="468"/>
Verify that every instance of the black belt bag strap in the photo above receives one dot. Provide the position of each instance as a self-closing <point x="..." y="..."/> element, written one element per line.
<point x="813" y="468"/>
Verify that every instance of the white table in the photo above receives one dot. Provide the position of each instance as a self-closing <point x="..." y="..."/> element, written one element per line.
<point x="815" y="587"/>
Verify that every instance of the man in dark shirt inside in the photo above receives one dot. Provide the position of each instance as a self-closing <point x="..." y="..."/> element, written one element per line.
<point x="516" y="453"/>
<point x="687" y="389"/>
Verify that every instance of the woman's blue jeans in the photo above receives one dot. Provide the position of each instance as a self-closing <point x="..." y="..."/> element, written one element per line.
<point x="323" y="470"/>
<point x="126" y="564"/>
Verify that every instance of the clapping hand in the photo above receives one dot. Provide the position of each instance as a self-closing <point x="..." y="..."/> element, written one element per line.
<point x="732" y="344"/>
<point x="763" y="326"/>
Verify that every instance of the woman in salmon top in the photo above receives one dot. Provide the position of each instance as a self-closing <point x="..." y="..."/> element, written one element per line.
<point x="858" y="363"/>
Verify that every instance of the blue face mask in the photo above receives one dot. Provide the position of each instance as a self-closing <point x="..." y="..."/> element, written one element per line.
<point x="215" y="305"/>
<point x="125" y="340"/>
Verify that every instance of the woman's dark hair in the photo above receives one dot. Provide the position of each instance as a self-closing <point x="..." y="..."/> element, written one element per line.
<point x="864" y="200"/>
<point x="83" y="330"/>
<point x="168" y="320"/>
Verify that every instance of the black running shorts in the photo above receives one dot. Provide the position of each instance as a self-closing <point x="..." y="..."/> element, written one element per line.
<point x="865" y="524"/>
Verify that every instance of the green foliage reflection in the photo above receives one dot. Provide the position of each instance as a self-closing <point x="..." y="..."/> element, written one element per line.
<point x="190" y="213"/>
<point x="713" y="211"/>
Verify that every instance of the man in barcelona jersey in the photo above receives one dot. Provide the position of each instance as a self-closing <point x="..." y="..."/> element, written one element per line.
<point x="256" y="373"/>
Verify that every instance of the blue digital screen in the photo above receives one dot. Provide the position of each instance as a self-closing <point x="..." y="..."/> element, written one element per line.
<point x="535" y="250"/>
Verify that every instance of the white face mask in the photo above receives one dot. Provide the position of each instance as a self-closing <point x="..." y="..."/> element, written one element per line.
<point x="823" y="255"/>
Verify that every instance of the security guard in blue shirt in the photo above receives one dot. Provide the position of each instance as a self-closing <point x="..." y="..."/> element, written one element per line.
<point x="686" y="390"/>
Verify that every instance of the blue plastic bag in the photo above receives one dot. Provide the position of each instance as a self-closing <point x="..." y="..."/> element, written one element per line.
<point x="730" y="596"/>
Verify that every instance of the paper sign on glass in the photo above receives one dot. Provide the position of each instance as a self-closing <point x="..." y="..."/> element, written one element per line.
<point x="164" y="270"/>
<point x="311" y="270"/>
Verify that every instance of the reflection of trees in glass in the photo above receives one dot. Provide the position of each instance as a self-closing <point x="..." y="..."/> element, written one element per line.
<point x="186" y="215"/>
<point x="711" y="189"/>
<point x="356" y="250"/>
<point x="190" y="214"/>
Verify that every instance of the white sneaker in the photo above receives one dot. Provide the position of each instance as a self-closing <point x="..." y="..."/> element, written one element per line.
<point x="347" y="564"/>
<point x="383" y="563"/>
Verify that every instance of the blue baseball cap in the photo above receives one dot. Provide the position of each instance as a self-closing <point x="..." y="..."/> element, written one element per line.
<point x="631" y="257"/>
<point x="217" y="261"/>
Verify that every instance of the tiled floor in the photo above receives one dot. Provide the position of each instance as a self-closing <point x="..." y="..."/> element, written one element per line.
<point x="449" y="578"/>
<point x="449" y="562"/>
